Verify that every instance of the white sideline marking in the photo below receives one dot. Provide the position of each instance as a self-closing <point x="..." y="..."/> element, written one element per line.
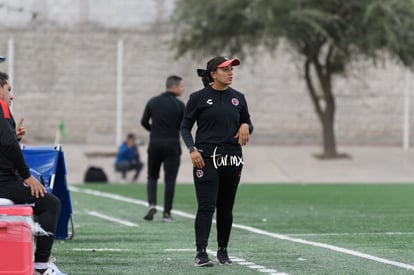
<point x="348" y="234"/>
<point x="255" y="266"/>
<point x="112" y="219"/>
<point x="260" y="231"/>
<point x="125" y="199"/>
<point x="323" y="245"/>
<point x="101" y="249"/>
<point x="239" y="261"/>
<point x="250" y="265"/>
<point x="243" y="262"/>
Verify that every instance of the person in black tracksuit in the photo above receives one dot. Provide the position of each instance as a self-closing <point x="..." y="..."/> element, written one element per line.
<point x="223" y="127"/>
<point x="18" y="185"/>
<point x="166" y="113"/>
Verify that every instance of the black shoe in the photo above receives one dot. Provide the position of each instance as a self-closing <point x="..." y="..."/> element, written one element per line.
<point x="202" y="259"/>
<point x="166" y="217"/>
<point x="150" y="214"/>
<point x="222" y="256"/>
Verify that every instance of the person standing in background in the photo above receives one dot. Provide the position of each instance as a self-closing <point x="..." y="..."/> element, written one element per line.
<point x="223" y="127"/>
<point x="162" y="118"/>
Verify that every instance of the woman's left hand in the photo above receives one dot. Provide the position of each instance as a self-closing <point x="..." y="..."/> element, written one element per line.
<point x="243" y="135"/>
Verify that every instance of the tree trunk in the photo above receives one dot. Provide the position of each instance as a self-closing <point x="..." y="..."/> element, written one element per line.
<point x="325" y="111"/>
<point x="328" y="128"/>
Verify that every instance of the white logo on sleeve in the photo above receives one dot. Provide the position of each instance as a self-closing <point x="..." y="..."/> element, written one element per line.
<point x="209" y="101"/>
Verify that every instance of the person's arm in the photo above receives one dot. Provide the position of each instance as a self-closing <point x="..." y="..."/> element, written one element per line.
<point x="246" y="126"/>
<point x="190" y="117"/>
<point x="182" y="108"/>
<point x="145" y="119"/>
<point x="123" y="151"/>
<point x="245" y="116"/>
<point x="188" y="123"/>
<point x="133" y="154"/>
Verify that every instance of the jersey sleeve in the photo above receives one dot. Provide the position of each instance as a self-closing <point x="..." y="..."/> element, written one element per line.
<point x="245" y="115"/>
<point x="190" y="116"/>
<point x="182" y="108"/>
<point x="145" y="119"/>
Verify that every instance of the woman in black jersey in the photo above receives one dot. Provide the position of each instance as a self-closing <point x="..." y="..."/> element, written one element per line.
<point x="223" y="127"/>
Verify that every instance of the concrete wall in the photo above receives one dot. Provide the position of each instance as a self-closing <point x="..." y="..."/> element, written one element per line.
<point x="65" y="67"/>
<point x="115" y="14"/>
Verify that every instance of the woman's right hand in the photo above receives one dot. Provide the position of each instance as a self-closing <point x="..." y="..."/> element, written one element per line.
<point x="37" y="189"/>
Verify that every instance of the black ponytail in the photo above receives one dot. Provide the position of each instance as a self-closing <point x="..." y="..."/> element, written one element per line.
<point x="205" y="77"/>
<point x="207" y="80"/>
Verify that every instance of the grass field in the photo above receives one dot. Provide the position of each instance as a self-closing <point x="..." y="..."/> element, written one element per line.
<point x="278" y="229"/>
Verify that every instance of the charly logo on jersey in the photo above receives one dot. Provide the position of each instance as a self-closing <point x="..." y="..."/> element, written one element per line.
<point x="235" y="101"/>
<point x="199" y="173"/>
<point x="209" y="101"/>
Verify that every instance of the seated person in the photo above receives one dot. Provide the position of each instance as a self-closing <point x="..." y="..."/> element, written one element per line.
<point x="18" y="185"/>
<point x="128" y="157"/>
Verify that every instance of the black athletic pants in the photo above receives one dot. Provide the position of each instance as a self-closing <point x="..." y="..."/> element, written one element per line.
<point x="215" y="189"/>
<point x="167" y="154"/>
<point x="47" y="210"/>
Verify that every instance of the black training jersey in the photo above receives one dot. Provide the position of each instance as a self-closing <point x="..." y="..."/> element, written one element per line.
<point x="165" y="113"/>
<point x="12" y="163"/>
<point x="218" y="115"/>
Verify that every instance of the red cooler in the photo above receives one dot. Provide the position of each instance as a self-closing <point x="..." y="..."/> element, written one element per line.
<point x="16" y="240"/>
